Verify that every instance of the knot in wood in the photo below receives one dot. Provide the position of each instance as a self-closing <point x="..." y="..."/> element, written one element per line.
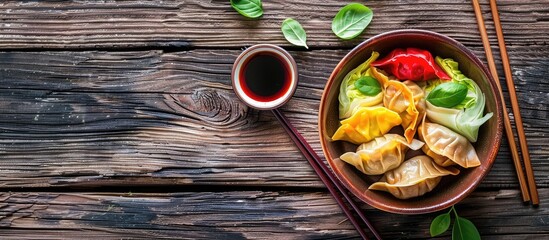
<point x="215" y="106"/>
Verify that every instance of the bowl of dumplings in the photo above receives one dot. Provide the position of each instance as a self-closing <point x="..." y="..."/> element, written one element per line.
<point x="410" y="121"/>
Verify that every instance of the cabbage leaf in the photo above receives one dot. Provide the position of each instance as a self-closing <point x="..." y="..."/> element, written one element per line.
<point x="466" y="117"/>
<point x="350" y="98"/>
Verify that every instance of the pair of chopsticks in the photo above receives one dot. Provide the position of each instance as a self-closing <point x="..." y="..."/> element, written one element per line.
<point x="528" y="188"/>
<point x="327" y="177"/>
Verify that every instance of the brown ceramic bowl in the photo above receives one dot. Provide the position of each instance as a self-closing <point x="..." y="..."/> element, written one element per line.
<point x="451" y="189"/>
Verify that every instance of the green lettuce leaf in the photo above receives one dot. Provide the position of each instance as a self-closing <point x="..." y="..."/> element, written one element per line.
<point x="350" y="97"/>
<point x="467" y="117"/>
<point x="451" y="68"/>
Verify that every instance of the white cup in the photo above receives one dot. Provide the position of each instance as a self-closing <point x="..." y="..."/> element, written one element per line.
<point x="238" y="68"/>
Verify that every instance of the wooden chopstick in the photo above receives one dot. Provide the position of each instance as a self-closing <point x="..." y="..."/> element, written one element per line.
<point x="507" y="122"/>
<point x="327" y="177"/>
<point x="514" y="105"/>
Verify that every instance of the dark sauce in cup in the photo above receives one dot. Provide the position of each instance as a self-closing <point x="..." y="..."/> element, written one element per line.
<point x="265" y="77"/>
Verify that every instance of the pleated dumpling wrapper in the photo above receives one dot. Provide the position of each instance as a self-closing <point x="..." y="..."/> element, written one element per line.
<point x="447" y="143"/>
<point x="381" y="154"/>
<point x="413" y="178"/>
<point x="439" y="159"/>
<point x="366" y="123"/>
<point x="405" y="98"/>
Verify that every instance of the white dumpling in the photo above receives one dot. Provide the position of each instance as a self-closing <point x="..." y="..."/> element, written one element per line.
<point x="440" y="160"/>
<point x="381" y="154"/>
<point x="445" y="142"/>
<point x="413" y="178"/>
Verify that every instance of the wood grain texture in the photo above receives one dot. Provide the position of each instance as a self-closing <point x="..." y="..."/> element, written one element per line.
<point x="117" y="95"/>
<point x="196" y="23"/>
<point x="98" y="118"/>
<point x="242" y="214"/>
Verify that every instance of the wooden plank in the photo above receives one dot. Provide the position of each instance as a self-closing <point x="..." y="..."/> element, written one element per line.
<point x="238" y="215"/>
<point x="194" y="23"/>
<point x="154" y="118"/>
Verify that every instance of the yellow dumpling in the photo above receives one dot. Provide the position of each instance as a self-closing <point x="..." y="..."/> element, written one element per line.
<point x="367" y="123"/>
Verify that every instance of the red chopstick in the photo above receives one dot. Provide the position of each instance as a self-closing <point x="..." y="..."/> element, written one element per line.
<point x="327" y="177"/>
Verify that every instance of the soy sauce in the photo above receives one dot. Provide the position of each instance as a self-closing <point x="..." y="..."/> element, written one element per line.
<point x="265" y="77"/>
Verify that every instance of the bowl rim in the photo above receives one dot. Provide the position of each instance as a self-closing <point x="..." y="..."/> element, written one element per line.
<point x="491" y="157"/>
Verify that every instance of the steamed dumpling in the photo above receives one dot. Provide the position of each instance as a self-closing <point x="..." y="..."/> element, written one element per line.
<point x="381" y="154"/>
<point x="367" y="123"/>
<point x="439" y="159"/>
<point x="419" y="95"/>
<point x="350" y="97"/>
<point x="404" y="98"/>
<point x="413" y="178"/>
<point x="447" y="143"/>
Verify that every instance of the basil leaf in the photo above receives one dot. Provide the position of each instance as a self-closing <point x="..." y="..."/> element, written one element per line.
<point x="294" y="32"/>
<point x="368" y="86"/>
<point x="447" y="94"/>
<point x="440" y="224"/>
<point x="464" y="230"/>
<point x="248" y="8"/>
<point x="351" y="20"/>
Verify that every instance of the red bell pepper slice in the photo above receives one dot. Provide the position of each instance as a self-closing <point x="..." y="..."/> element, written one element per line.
<point x="411" y="64"/>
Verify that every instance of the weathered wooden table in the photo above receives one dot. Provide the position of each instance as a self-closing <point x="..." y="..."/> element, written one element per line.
<point x="117" y="120"/>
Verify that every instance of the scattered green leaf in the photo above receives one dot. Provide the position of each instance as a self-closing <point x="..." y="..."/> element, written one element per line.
<point x="351" y="20"/>
<point x="440" y="224"/>
<point x="464" y="230"/>
<point x="248" y="8"/>
<point x="447" y="94"/>
<point x="368" y="86"/>
<point x="294" y="32"/>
